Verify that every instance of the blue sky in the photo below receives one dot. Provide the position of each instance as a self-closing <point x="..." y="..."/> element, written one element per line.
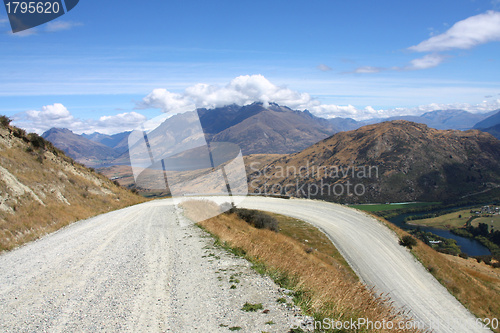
<point x="108" y="65"/>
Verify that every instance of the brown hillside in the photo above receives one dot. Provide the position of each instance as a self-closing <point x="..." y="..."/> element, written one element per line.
<point x="391" y="161"/>
<point x="42" y="190"/>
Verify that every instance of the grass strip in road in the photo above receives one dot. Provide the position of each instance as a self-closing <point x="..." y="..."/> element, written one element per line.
<point x="322" y="284"/>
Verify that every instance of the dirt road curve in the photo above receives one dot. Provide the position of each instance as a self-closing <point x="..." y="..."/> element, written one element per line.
<point x="146" y="269"/>
<point x="140" y="269"/>
<point x="373" y="252"/>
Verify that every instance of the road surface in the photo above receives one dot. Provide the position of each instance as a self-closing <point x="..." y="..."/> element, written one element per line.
<point x="372" y="250"/>
<point x="139" y="269"/>
<point x="147" y="269"/>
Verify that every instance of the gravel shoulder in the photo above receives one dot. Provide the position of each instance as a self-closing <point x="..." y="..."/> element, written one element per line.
<point x="140" y="269"/>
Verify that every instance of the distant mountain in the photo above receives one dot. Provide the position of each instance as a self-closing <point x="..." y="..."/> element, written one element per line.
<point x="118" y="141"/>
<point x="442" y="119"/>
<point x="42" y="189"/>
<point x="392" y="161"/>
<point x="494" y="130"/>
<point x="491" y="121"/>
<point x="264" y="130"/>
<point x="344" y="124"/>
<point x="80" y="148"/>
<point x="256" y="128"/>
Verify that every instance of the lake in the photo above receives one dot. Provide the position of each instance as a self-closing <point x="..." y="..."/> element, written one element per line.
<point x="470" y="246"/>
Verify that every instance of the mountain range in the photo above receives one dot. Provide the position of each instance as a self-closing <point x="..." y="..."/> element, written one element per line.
<point x="80" y="148"/>
<point x="118" y="142"/>
<point x="256" y="128"/>
<point x="443" y="119"/>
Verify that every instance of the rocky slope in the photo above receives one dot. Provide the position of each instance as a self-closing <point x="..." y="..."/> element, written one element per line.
<point x="41" y="189"/>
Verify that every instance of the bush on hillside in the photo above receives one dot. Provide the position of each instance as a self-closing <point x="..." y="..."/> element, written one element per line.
<point x="258" y="219"/>
<point x="36" y="140"/>
<point x="408" y="241"/>
<point x="5" y="121"/>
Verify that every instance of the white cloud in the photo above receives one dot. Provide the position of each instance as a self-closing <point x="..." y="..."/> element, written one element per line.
<point x="167" y="101"/>
<point x="55" y="26"/>
<point x="57" y="115"/>
<point x="368" y="70"/>
<point x="428" y="61"/>
<point x="245" y="90"/>
<point x="115" y="124"/>
<point x="324" y="68"/>
<point x="465" y="34"/>
<point x="242" y="90"/>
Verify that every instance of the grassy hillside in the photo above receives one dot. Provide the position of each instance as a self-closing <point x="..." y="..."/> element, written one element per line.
<point x="396" y="161"/>
<point x="42" y="190"/>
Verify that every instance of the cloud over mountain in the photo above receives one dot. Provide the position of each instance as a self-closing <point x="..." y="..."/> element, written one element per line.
<point x="242" y="90"/>
<point x="247" y="89"/>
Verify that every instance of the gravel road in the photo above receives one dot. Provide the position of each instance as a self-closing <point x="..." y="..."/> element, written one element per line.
<point x="147" y="269"/>
<point x="139" y="269"/>
<point x="373" y="252"/>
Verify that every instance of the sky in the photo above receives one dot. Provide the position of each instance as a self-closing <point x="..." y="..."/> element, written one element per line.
<point x="109" y="65"/>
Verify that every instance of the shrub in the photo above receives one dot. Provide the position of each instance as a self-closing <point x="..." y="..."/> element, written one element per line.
<point x="408" y="241"/>
<point x="36" y="140"/>
<point x="19" y="133"/>
<point x="256" y="218"/>
<point x="5" y="121"/>
<point x="464" y="255"/>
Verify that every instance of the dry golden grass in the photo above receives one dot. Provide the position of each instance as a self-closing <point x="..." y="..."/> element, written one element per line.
<point x="53" y="179"/>
<point x="325" y="289"/>
<point x="476" y="286"/>
<point x="311" y="238"/>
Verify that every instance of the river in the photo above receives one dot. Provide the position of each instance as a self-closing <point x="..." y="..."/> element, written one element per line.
<point x="470" y="246"/>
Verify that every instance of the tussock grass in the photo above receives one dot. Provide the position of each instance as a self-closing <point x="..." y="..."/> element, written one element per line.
<point x="322" y="289"/>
